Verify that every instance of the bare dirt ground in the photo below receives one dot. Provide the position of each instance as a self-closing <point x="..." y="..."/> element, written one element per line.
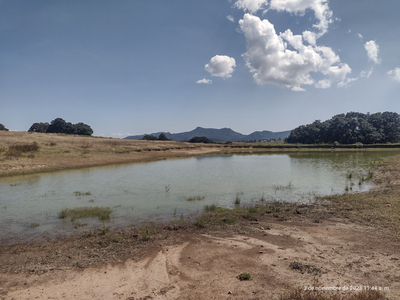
<point x="189" y="263"/>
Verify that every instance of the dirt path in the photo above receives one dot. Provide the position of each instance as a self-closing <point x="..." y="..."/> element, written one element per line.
<point x="279" y="255"/>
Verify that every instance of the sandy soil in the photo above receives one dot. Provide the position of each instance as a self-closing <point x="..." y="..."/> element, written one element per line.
<point x="187" y="264"/>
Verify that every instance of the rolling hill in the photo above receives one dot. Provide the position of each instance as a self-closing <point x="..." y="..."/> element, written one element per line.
<point x="219" y="135"/>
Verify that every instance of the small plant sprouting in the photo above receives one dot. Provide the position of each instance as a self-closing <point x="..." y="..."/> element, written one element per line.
<point x="211" y="207"/>
<point x="237" y="200"/>
<point x="244" y="276"/>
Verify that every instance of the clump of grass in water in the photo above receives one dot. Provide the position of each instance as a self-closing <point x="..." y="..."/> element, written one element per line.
<point x="77" y="193"/>
<point x="197" y="198"/>
<point x="102" y="213"/>
<point x="211" y="207"/>
<point x="237" y="200"/>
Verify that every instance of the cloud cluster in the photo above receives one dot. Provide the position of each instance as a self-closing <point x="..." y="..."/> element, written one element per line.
<point x="289" y="60"/>
<point x="285" y="60"/>
<point x="221" y="66"/>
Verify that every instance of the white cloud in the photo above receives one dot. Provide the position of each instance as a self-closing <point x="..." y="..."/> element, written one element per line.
<point x="271" y="61"/>
<point x="221" y="66"/>
<point x="230" y="18"/>
<point x="204" y="81"/>
<point x="299" y="7"/>
<point x="297" y="89"/>
<point x="395" y="74"/>
<point x="320" y="8"/>
<point x="372" y="51"/>
<point x="310" y="37"/>
<point x="251" y="5"/>
<point x="360" y="36"/>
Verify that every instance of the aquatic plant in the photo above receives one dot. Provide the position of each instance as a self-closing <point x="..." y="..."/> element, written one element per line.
<point x="197" y="198"/>
<point x="102" y="213"/>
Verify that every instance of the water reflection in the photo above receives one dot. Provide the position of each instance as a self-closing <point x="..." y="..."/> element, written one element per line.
<point x="160" y="190"/>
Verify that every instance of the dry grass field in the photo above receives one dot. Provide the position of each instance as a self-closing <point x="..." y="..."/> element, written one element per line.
<point x="23" y="152"/>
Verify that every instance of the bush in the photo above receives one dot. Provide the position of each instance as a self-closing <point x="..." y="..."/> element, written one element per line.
<point x="244" y="276"/>
<point x="200" y="139"/>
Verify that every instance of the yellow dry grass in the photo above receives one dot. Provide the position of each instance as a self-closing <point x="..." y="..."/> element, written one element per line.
<point x="60" y="151"/>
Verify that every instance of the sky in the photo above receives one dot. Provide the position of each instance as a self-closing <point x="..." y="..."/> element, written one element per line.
<point x="131" y="67"/>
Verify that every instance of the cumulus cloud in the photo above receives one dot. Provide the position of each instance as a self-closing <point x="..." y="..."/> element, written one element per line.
<point x="204" y="81"/>
<point x="395" y="74"/>
<point x="270" y="59"/>
<point x="299" y="7"/>
<point x="372" y="51"/>
<point x="221" y="66"/>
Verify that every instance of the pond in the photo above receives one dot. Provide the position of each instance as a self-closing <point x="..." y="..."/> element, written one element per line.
<point x="174" y="189"/>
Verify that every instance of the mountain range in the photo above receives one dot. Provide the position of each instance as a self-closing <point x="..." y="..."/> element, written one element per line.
<point x="219" y="135"/>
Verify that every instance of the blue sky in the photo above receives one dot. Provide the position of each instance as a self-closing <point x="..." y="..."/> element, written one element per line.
<point x="134" y="67"/>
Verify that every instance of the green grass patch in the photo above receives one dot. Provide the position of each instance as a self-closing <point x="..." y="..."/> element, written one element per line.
<point x="102" y="213"/>
<point x="211" y="207"/>
<point x="244" y="276"/>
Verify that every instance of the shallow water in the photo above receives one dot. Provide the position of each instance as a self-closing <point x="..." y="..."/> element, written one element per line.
<point x="158" y="191"/>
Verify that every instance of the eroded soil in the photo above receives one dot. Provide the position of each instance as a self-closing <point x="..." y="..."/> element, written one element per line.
<point x="187" y="263"/>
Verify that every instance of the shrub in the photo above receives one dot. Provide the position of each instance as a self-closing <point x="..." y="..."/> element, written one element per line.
<point x="244" y="276"/>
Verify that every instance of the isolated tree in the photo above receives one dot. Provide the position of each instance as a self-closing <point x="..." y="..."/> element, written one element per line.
<point x="2" y="127"/>
<point x="39" y="127"/>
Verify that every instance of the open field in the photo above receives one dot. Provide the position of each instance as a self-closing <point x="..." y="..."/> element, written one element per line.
<point x="60" y="151"/>
<point x="350" y="241"/>
<point x="26" y="153"/>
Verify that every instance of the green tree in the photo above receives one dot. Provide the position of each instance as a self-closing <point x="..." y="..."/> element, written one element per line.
<point x="200" y="139"/>
<point x="350" y="128"/>
<point x="60" y="126"/>
<point x="39" y="127"/>
<point x="149" y="137"/>
<point x="2" y="127"/>
<point x="162" y="137"/>
<point x="83" y="129"/>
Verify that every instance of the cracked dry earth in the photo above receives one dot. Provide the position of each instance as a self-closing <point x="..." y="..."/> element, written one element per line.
<point x="278" y="255"/>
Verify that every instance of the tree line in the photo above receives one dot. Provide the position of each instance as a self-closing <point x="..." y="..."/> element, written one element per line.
<point x="150" y="137"/>
<point x="59" y="125"/>
<point x="350" y="128"/>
